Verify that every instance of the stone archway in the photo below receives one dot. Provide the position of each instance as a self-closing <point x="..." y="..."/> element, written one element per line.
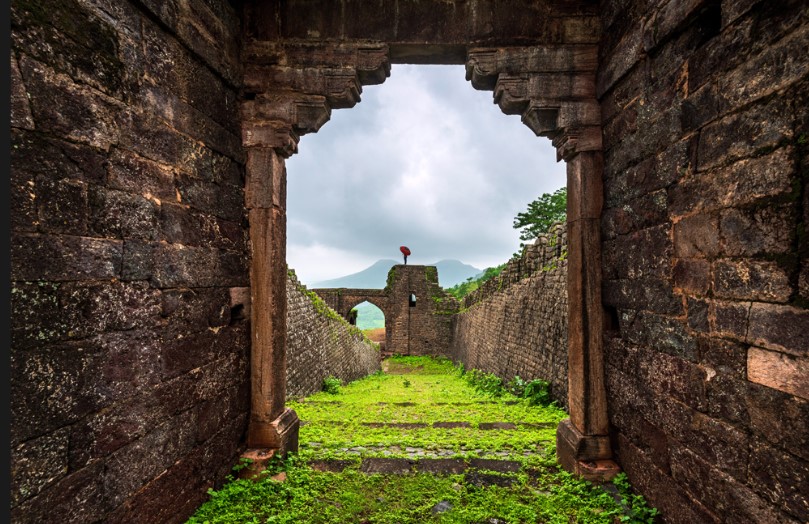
<point x="297" y="70"/>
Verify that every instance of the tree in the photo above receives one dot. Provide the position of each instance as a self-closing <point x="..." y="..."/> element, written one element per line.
<point x="542" y="213"/>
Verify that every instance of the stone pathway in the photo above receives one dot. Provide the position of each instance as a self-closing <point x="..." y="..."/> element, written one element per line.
<point x="418" y="444"/>
<point x="440" y="442"/>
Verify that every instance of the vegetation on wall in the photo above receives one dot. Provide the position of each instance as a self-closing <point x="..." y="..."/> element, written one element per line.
<point x="541" y="214"/>
<point x="464" y="288"/>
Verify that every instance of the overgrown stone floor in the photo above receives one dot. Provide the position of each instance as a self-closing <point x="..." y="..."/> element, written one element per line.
<point x="418" y="443"/>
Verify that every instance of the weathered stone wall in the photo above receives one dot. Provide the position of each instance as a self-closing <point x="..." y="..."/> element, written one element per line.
<point x="129" y="371"/>
<point x="516" y="323"/>
<point x="424" y="328"/>
<point x="704" y="107"/>
<point x="320" y="343"/>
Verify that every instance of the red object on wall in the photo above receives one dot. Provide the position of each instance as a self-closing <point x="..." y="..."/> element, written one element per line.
<point x="405" y="250"/>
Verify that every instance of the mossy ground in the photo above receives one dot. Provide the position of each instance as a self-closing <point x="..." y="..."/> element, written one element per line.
<point x="360" y="422"/>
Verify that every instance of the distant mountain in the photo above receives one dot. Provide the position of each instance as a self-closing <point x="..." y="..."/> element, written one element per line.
<point x="450" y="272"/>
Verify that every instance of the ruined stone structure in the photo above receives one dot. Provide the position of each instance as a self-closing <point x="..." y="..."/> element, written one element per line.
<point x="418" y="313"/>
<point x="516" y="323"/>
<point x="322" y="344"/>
<point x="148" y="199"/>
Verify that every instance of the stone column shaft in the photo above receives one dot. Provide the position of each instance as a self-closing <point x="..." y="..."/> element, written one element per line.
<point x="271" y="425"/>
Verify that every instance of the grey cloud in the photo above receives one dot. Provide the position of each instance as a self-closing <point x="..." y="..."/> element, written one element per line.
<point x="423" y="160"/>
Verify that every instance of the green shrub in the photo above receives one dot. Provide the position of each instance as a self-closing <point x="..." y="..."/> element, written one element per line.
<point x="331" y="385"/>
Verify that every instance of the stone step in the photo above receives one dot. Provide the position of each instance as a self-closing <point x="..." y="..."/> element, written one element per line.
<point x="479" y="470"/>
<point x="439" y="425"/>
<point x="418" y="452"/>
<point x="410" y="404"/>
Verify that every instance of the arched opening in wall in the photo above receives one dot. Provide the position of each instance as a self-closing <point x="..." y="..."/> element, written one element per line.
<point x="371" y="321"/>
<point x="428" y="162"/>
<point x="425" y="161"/>
<point x="551" y="86"/>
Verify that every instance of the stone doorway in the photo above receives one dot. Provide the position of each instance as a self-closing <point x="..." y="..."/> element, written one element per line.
<point x="297" y="72"/>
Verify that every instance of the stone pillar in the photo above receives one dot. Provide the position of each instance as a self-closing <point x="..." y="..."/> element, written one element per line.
<point x="272" y="426"/>
<point x="582" y="441"/>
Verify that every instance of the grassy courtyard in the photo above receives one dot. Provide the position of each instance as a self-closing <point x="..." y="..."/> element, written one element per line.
<point x="423" y="442"/>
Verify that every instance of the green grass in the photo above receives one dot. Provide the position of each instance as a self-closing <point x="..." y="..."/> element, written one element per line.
<point x="433" y="391"/>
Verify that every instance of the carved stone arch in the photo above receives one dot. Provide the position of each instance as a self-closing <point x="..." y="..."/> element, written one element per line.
<point x="291" y="88"/>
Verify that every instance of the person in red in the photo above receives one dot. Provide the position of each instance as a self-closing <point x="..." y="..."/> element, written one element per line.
<point x="406" y="252"/>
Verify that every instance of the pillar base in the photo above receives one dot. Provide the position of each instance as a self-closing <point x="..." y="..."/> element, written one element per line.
<point x="588" y="456"/>
<point x="259" y="461"/>
<point x="280" y="435"/>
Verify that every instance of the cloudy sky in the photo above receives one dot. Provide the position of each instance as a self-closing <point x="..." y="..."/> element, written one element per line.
<point x="424" y="161"/>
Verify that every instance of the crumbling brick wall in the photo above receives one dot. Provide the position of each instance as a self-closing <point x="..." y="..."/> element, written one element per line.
<point x="129" y="374"/>
<point x="704" y="109"/>
<point x="320" y="343"/>
<point x="516" y="323"/>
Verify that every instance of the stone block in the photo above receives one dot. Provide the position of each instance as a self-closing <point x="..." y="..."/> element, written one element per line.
<point x="662" y="333"/>
<point x="21" y="116"/>
<point x="692" y="275"/>
<point x="130" y="468"/>
<point x="79" y="495"/>
<point x="702" y="106"/>
<point x="149" y="136"/>
<point x="783" y="427"/>
<point x="134" y="174"/>
<point x="759" y="128"/>
<point x="730" y="319"/>
<point x="73" y="39"/>
<point x="746" y="181"/>
<point x="659" y="489"/>
<point x="647" y="211"/>
<point x="67" y="110"/>
<point x="38" y="409"/>
<point x="175" y="265"/>
<point x="697" y="236"/>
<point x="751" y="280"/>
<point x="697" y="311"/>
<point x="174" y="70"/>
<point x="116" y="214"/>
<point x="765" y="231"/>
<point x="221" y="200"/>
<point x="724" y="356"/>
<point x="38" y="463"/>
<point x="779" y="371"/>
<point x="35" y="155"/>
<point x="62" y="206"/>
<point x="781" y="479"/>
<point x="716" y="489"/>
<point x="64" y="258"/>
<point x="780" y="327"/>
<point x="676" y="377"/>
<point x="767" y="71"/>
<point x="726" y="399"/>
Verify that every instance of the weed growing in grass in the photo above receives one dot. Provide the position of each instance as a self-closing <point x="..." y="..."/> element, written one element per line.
<point x="331" y="385"/>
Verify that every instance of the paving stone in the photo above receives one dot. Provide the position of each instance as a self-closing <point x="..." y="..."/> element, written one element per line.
<point x="395" y="466"/>
<point x="331" y="465"/>
<point x="451" y="425"/>
<point x="496" y="425"/>
<point x="501" y="466"/>
<point x="442" y="466"/>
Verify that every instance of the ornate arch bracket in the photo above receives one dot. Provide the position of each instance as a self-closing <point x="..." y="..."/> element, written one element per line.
<point x="289" y="90"/>
<point x="553" y="90"/>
